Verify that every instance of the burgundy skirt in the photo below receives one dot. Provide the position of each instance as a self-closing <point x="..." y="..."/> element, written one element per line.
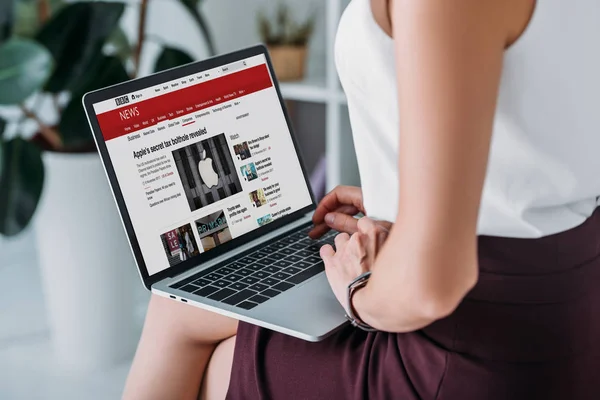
<point x="530" y="329"/>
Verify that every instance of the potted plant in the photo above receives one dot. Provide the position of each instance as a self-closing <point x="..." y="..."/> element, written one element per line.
<point x="51" y="53"/>
<point x="287" y="41"/>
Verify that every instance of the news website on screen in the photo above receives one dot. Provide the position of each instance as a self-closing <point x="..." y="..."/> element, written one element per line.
<point x="202" y="160"/>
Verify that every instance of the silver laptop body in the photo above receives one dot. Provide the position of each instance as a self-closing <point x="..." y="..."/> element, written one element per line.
<point x="216" y="183"/>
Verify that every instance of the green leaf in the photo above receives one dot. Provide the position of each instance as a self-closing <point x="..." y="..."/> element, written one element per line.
<point x="75" y="36"/>
<point x="27" y="21"/>
<point x="171" y="57"/>
<point x="7" y="15"/>
<point x="21" y="182"/>
<point x="193" y="7"/>
<point x="73" y="126"/>
<point x="120" y="44"/>
<point x="24" y="67"/>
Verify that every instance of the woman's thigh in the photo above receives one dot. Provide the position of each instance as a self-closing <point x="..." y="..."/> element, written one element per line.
<point x="218" y="372"/>
<point x="176" y="344"/>
<point x="182" y="322"/>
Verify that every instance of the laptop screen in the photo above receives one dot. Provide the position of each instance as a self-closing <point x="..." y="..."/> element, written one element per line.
<point x="202" y="160"/>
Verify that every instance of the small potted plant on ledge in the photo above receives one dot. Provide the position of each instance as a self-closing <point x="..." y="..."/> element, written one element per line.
<point x="51" y="53"/>
<point x="287" y="41"/>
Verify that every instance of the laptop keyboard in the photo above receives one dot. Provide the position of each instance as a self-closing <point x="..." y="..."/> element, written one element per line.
<point x="262" y="274"/>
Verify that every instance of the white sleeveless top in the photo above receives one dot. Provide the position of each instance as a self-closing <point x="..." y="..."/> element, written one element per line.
<point x="544" y="169"/>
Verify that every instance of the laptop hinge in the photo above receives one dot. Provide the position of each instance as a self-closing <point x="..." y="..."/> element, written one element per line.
<point x="241" y="249"/>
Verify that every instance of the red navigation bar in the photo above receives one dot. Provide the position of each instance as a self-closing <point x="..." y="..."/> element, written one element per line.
<point x="137" y="116"/>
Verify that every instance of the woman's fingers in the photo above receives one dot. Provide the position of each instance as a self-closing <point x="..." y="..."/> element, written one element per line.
<point x="326" y="253"/>
<point x="322" y="228"/>
<point x="342" y="222"/>
<point x="341" y="240"/>
<point x="340" y="196"/>
<point x="385" y="224"/>
<point x="375" y="232"/>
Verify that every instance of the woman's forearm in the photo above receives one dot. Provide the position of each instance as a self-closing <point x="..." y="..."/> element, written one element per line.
<point x="413" y="285"/>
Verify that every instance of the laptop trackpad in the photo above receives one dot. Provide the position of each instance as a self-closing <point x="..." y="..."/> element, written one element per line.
<point x="309" y="311"/>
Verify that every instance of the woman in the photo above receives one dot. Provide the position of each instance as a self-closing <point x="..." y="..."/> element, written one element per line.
<point x="480" y="144"/>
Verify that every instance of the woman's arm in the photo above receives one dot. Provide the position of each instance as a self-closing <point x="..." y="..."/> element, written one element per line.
<point x="449" y="61"/>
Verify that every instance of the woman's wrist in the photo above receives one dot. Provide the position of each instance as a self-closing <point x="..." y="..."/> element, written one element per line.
<point x="357" y="305"/>
<point x="355" y="286"/>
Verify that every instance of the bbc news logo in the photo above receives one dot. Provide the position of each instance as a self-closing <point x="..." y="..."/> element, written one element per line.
<point x="122" y="100"/>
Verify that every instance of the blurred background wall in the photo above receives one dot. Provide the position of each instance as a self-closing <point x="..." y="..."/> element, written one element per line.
<point x="29" y="365"/>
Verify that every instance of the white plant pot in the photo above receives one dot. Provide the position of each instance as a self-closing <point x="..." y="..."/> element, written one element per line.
<point x="86" y="265"/>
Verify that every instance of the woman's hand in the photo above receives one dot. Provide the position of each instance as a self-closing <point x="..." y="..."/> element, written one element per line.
<point x="337" y="210"/>
<point x="353" y="256"/>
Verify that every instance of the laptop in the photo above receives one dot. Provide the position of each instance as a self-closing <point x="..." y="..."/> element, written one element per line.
<point x="213" y="194"/>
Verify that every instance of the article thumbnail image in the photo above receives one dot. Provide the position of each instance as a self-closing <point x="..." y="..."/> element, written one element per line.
<point x="213" y="230"/>
<point x="257" y="198"/>
<point x="249" y="172"/>
<point x="242" y="151"/>
<point x="264" y="220"/>
<point x="207" y="172"/>
<point x="179" y="244"/>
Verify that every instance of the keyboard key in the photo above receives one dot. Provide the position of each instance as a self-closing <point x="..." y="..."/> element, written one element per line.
<point x="305" y="253"/>
<point x="287" y="251"/>
<point x="222" y="294"/>
<point x="213" y="277"/>
<point x="239" y="286"/>
<point x="259" y="287"/>
<point x="270" y="293"/>
<point x="291" y="270"/>
<point x="283" y="286"/>
<point x="293" y="258"/>
<point x="270" y="281"/>
<point x="277" y="256"/>
<point x="282" y="263"/>
<point x="305" y="230"/>
<point x="206" y="291"/>
<point x="239" y="297"/>
<point x="201" y="282"/>
<point x="270" y="249"/>
<point x="279" y="245"/>
<point x="233" y="277"/>
<point x="281" y="276"/>
<point x="246" y="305"/>
<point x="247" y="260"/>
<point x="298" y="246"/>
<point x="306" y="242"/>
<point x="302" y="264"/>
<point x="222" y="283"/>
<point x="288" y="240"/>
<point x="259" y="254"/>
<point x="224" y="271"/>
<point x="271" y="269"/>
<point x="255" y="267"/>
<point x="184" y="282"/>
<point x="189" y="288"/>
<point x="307" y="273"/>
<point x="313" y="259"/>
<point x="298" y="235"/>
<point x="244" y="272"/>
<point x="235" y="265"/>
<point x="249" y="280"/>
<point x="315" y="248"/>
<point x="268" y="260"/>
<point x="258" y="299"/>
<point x="330" y="240"/>
<point x="261" y="274"/>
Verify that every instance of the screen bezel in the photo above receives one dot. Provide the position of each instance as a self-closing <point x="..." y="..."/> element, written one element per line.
<point x="94" y="97"/>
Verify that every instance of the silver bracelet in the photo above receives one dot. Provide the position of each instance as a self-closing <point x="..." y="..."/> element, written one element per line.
<point x="357" y="283"/>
